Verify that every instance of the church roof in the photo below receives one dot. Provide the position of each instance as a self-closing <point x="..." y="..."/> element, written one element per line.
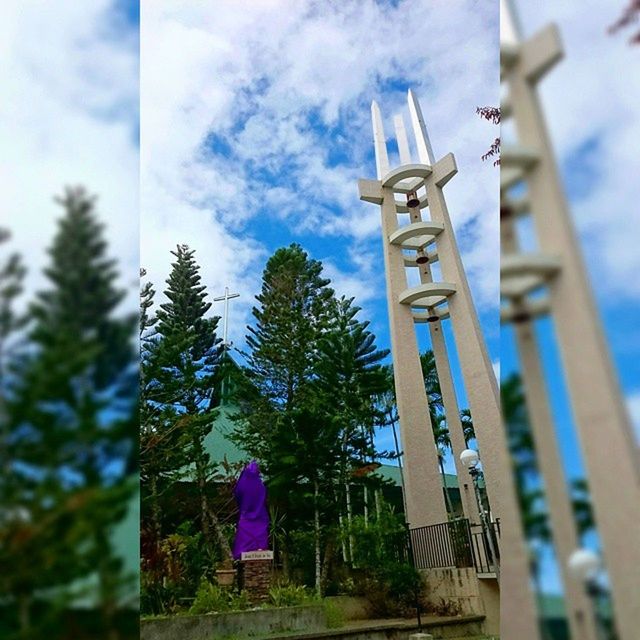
<point x="218" y="445"/>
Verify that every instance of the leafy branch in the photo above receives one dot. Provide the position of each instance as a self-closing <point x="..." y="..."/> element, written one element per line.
<point x="492" y="114"/>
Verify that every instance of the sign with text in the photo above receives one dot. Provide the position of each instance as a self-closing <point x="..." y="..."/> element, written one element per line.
<point x="257" y="555"/>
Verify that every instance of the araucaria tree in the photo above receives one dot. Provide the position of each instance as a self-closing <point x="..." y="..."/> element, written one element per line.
<point x="350" y="379"/>
<point x="181" y="362"/>
<point x="314" y="371"/>
<point x="71" y="404"/>
<point x="161" y="451"/>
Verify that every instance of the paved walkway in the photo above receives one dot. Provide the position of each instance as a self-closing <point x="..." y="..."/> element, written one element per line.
<point x="455" y="626"/>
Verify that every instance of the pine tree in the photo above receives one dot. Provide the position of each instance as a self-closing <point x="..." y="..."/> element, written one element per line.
<point x="283" y="350"/>
<point x="315" y="374"/>
<point x="278" y="422"/>
<point x="349" y="379"/>
<point x="12" y="274"/>
<point x="186" y="355"/>
<point x="13" y="512"/>
<point x="160" y="445"/>
<point x="71" y="408"/>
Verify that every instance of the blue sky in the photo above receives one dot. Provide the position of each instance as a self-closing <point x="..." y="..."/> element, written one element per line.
<point x="70" y="72"/>
<point x="255" y="136"/>
<point x="594" y="126"/>
<point x="255" y="129"/>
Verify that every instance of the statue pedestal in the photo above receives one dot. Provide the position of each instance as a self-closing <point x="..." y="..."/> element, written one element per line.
<point x="255" y="575"/>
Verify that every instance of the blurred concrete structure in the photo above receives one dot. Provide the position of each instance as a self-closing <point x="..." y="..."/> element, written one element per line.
<point x="553" y="281"/>
<point x="417" y="244"/>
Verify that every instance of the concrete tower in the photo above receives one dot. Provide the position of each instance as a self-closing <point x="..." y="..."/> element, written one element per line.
<point x="553" y="282"/>
<point x="411" y="189"/>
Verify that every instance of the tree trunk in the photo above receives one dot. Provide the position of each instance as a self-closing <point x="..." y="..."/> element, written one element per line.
<point x="343" y="543"/>
<point x="366" y="506"/>
<point x="447" y="499"/>
<point x="286" y="568"/>
<point x="316" y="525"/>
<point x="326" y="563"/>
<point x="155" y="511"/>
<point x="24" y="614"/>
<point x="202" y="490"/>
<point x="349" y="520"/>
<point x="222" y="540"/>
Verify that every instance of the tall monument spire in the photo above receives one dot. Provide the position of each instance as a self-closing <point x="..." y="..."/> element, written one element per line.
<point x="420" y="188"/>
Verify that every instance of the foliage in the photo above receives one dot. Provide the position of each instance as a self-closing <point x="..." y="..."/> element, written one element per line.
<point x="210" y="598"/>
<point x="173" y="568"/>
<point x="290" y="595"/>
<point x="334" y="615"/>
<point x="310" y="405"/>
<point x="70" y="407"/>
<point x="629" y="16"/>
<point x="492" y="114"/>
<point x="530" y="494"/>
<point x="180" y="358"/>
<point x="386" y="578"/>
<point x="291" y="316"/>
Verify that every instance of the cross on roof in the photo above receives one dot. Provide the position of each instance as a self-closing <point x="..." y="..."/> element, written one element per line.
<point x="226" y="297"/>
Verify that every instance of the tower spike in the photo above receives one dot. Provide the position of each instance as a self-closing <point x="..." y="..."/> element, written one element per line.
<point x="380" y="143"/>
<point x="425" y="151"/>
<point x="403" y="141"/>
<point x="510" y="30"/>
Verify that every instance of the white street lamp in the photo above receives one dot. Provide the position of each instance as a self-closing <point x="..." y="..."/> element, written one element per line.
<point x="470" y="458"/>
<point x="585" y="565"/>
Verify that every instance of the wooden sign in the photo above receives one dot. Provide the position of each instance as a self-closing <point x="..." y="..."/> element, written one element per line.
<point x="257" y="555"/>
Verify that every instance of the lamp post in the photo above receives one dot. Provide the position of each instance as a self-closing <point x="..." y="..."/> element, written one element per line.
<point x="470" y="459"/>
<point x="585" y="566"/>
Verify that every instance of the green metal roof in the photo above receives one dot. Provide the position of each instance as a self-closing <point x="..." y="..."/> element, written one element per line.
<point x="552" y="605"/>
<point x="392" y="472"/>
<point x="218" y="445"/>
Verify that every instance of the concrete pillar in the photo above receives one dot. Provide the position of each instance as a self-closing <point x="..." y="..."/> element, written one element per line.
<point x="603" y="427"/>
<point x="560" y="510"/>
<point x="443" y="368"/>
<point x="452" y="412"/>
<point x="423" y="486"/>
<point x="424" y="497"/>
<point x="482" y="393"/>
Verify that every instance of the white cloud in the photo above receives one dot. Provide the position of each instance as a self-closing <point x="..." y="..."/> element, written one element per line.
<point x="592" y="95"/>
<point x="496" y="369"/>
<point x="67" y="117"/>
<point x="276" y="82"/>
<point x="633" y="405"/>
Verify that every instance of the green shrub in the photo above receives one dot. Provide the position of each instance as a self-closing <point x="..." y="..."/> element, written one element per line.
<point x="334" y="615"/>
<point x="290" y="595"/>
<point x="239" y="601"/>
<point x="384" y="575"/>
<point x="211" y="598"/>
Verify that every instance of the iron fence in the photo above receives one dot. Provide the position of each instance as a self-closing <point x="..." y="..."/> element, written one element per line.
<point x="455" y="544"/>
<point x="447" y="544"/>
<point x="483" y="546"/>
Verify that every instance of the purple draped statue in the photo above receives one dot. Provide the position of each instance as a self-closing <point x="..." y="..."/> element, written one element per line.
<point x="253" y="525"/>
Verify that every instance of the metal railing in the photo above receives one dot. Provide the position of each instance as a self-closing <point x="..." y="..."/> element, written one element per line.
<point x="456" y="544"/>
<point x="482" y="546"/>
<point x="442" y="545"/>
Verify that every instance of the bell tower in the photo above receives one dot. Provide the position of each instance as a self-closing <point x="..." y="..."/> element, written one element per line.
<point x="415" y="190"/>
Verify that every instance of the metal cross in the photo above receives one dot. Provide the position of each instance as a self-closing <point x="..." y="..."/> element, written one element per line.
<point x="226" y="297"/>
